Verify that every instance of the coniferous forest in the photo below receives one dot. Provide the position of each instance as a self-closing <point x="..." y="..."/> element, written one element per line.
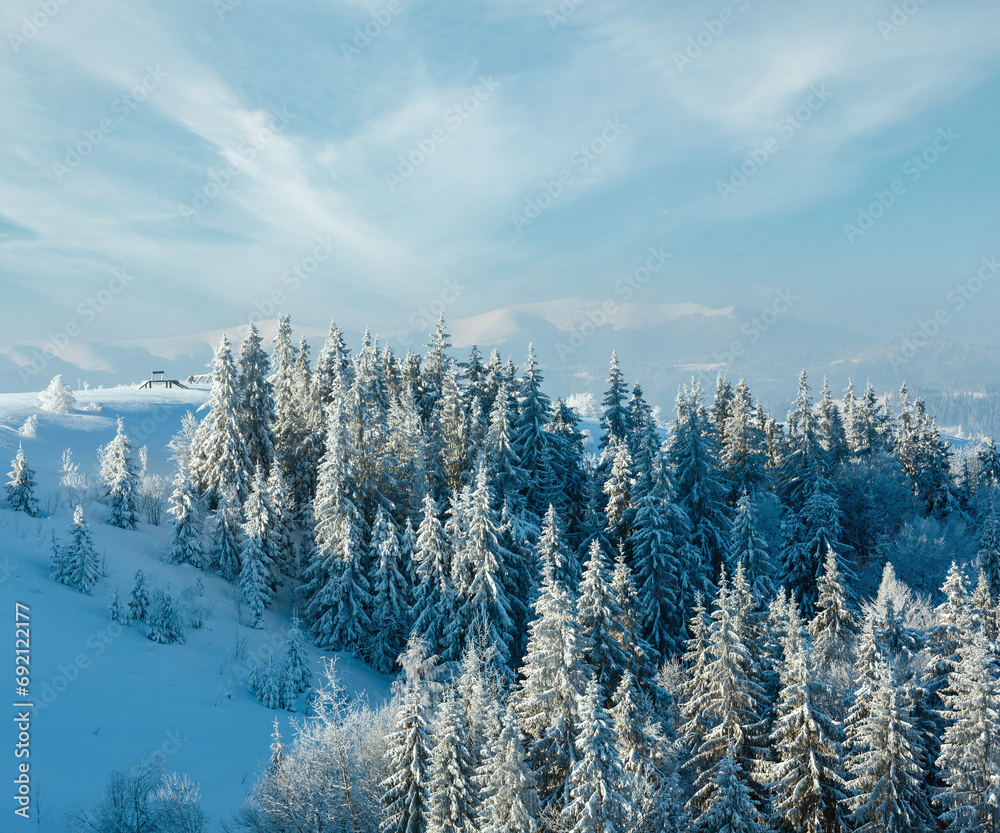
<point x="737" y="621"/>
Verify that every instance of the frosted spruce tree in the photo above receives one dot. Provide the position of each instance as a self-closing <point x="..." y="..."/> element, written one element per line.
<point x="832" y="435"/>
<point x="597" y="803"/>
<point x="391" y="595"/>
<point x="281" y="510"/>
<point x="807" y="781"/>
<point x="640" y="655"/>
<point x="117" y="612"/>
<point x="509" y="803"/>
<point x="289" y="430"/>
<point x="187" y="545"/>
<point x="744" y="445"/>
<point x="615" y="418"/>
<point x="662" y="559"/>
<point x="255" y="405"/>
<point x="454" y="793"/>
<point x="833" y="628"/>
<point x="295" y="670"/>
<point x="970" y="747"/>
<point x="699" y="484"/>
<point x="600" y="619"/>
<point x="805" y="460"/>
<point x="224" y="554"/>
<point x="531" y="440"/>
<point x="267" y="685"/>
<point x="886" y="762"/>
<point x="346" y="598"/>
<point x="988" y="549"/>
<point x="618" y="491"/>
<point x="555" y="675"/>
<point x="695" y="660"/>
<point x="748" y="546"/>
<point x="138" y="600"/>
<point x="219" y="456"/>
<point x="433" y="570"/>
<point x="731" y="808"/>
<point x="406" y="788"/>
<point x="256" y="553"/>
<point x="76" y="562"/>
<point x="121" y="480"/>
<point x="638" y="737"/>
<point x="725" y="711"/>
<point x="163" y="624"/>
<point x="551" y="549"/>
<point x="478" y="570"/>
<point x="21" y="486"/>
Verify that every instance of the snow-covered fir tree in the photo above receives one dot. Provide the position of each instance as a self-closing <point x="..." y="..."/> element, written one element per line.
<point x="391" y="595"/>
<point x="885" y="764"/>
<point x="478" y="570"/>
<point x="76" y="563"/>
<point x="256" y="579"/>
<point x="187" y="545"/>
<point x="806" y="779"/>
<point x="454" y="793"/>
<point x="555" y="675"/>
<point x="139" y="599"/>
<point x="531" y="440"/>
<point x="615" y="418"/>
<point x="638" y="736"/>
<point x="256" y="402"/>
<point x="600" y="619"/>
<point x="224" y="553"/>
<point x="744" y="446"/>
<point x="970" y="746"/>
<point x="727" y="708"/>
<point x="618" y="490"/>
<point x="663" y="562"/>
<point x="163" y="623"/>
<point x="20" y="488"/>
<point x="731" y="807"/>
<point x="509" y="803"/>
<point x="699" y="485"/>
<point x="748" y="546"/>
<point x="406" y="789"/>
<point x="219" y="455"/>
<point x="117" y="612"/>
<point x="296" y="674"/>
<point x="988" y="549"/>
<point x="432" y="559"/>
<point x="833" y="628"/>
<point x="267" y="683"/>
<point x="121" y="480"/>
<point x="597" y="803"/>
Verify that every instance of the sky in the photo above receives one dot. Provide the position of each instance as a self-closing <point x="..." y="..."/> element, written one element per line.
<point x="170" y="168"/>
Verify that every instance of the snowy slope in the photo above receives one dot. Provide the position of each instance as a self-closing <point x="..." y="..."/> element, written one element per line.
<point x="102" y="697"/>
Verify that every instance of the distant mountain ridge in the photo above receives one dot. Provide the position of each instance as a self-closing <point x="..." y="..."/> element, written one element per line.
<point x="660" y="345"/>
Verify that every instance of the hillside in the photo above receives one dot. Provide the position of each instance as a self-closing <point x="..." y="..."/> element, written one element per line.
<point x="105" y="696"/>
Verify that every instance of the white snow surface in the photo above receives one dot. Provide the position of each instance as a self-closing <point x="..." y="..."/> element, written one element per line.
<point x="103" y="698"/>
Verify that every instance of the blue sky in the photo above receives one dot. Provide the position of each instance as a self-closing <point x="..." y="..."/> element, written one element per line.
<point x="209" y="151"/>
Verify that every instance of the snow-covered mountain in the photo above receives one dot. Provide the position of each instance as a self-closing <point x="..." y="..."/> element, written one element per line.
<point x="567" y="333"/>
<point x="663" y="345"/>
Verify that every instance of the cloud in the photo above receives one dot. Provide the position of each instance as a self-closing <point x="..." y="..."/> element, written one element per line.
<point x="351" y="123"/>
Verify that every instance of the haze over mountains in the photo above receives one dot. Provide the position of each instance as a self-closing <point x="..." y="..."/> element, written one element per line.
<point x="663" y="345"/>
